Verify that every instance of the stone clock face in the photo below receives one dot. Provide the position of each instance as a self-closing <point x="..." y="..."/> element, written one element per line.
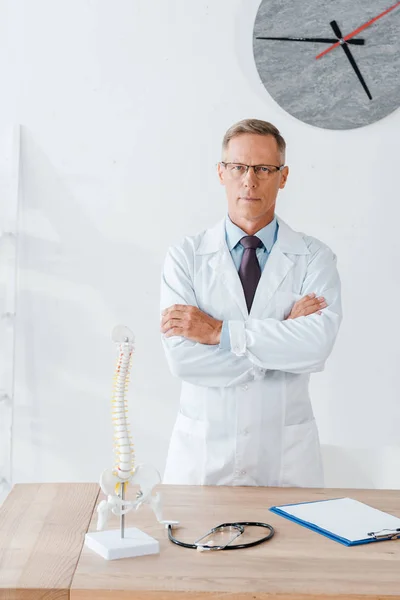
<point x="350" y="85"/>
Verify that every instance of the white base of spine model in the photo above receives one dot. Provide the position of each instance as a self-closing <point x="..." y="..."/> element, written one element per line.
<point x="125" y="543"/>
<point x="109" y="544"/>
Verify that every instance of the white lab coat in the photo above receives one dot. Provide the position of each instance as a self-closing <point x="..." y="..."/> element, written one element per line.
<point x="245" y="415"/>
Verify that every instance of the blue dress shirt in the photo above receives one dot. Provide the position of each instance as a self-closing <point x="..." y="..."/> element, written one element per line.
<point x="234" y="234"/>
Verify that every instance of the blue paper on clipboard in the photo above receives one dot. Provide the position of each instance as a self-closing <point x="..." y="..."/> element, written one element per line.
<point x="343" y="520"/>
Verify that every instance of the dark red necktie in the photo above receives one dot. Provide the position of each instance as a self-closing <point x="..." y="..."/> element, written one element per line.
<point x="249" y="271"/>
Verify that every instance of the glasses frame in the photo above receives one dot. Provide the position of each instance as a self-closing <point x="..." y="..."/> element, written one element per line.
<point x="225" y="164"/>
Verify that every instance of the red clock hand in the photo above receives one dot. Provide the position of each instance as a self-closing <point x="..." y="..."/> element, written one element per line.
<point x="356" y="31"/>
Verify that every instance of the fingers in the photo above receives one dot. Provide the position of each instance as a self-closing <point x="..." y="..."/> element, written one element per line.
<point x="177" y="319"/>
<point x="308" y="305"/>
<point x="169" y="324"/>
<point x="322" y="303"/>
<point x="177" y="307"/>
<point x="173" y="314"/>
<point x="313" y="303"/>
<point x="310" y="300"/>
<point x="177" y="311"/>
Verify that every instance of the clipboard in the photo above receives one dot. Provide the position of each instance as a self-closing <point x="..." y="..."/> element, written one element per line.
<point x="343" y="520"/>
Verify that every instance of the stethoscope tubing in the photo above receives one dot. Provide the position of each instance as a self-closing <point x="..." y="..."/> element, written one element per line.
<point x="238" y="525"/>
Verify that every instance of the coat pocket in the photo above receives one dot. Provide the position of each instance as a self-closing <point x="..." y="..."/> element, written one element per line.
<point x="189" y="425"/>
<point x="301" y="464"/>
<point x="186" y="454"/>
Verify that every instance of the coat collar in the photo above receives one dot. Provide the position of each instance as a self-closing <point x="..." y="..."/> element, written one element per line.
<point x="234" y="234"/>
<point x="288" y="240"/>
<point x="279" y="264"/>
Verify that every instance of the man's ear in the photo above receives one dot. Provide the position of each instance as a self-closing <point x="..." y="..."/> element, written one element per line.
<point x="284" y="176"/>
<point x="221" y="173"/>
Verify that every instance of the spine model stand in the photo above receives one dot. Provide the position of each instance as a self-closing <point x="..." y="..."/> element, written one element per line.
<point x="114" y="482"/>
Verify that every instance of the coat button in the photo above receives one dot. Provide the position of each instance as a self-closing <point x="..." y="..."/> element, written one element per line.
<point x="245" y="387"/>
<point x="243" y="472"/>
<point x="245" y="431"/>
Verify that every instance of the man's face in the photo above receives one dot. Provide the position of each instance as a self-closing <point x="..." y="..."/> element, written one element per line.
<point x="251" y="198"/>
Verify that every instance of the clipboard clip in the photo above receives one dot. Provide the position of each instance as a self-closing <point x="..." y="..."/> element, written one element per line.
<point x="386" y="534"/>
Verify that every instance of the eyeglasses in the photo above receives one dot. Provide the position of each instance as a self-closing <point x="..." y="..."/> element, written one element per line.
<point x="237" y="170"/>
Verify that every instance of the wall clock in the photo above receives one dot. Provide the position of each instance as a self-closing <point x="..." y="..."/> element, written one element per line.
<point x="330" y="63"/>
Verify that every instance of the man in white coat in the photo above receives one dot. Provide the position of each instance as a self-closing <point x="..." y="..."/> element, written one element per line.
<point x="249" y="308"/>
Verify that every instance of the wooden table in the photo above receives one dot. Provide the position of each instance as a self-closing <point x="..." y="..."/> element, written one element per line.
<point x="42" y="528"/>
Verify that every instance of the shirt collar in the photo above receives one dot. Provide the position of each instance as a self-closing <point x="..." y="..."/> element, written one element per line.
<point x="234" y="234"/>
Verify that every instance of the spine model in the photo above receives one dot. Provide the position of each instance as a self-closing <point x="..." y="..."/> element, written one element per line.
<point x="123" y="447"/>
<point x="115" y="481"/>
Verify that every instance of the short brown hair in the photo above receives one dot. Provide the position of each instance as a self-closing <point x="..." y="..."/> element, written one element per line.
<point x="254" y="126"/>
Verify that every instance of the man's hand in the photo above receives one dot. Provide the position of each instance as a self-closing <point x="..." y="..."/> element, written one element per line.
<point x="191" y="323"/>
<point x="307" y="306"/>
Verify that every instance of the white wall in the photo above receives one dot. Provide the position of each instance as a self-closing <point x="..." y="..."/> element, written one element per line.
<point x="123" y="106"/>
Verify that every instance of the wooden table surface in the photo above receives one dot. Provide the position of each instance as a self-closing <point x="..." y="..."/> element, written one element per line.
<point x="42" y="529"/>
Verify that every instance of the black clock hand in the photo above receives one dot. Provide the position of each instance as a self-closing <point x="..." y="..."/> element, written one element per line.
<point x="355" y="41"/>
<point x="349" y="55"/>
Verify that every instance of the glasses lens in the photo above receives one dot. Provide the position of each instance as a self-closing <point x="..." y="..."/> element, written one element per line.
<point x="236" y="170"/>
<point x="264" y="171"/>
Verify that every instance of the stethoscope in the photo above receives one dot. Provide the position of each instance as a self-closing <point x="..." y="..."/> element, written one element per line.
<point x="238" y="528"/>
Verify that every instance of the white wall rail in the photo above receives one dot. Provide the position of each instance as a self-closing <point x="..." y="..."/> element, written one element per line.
<point x="9" y="177"/>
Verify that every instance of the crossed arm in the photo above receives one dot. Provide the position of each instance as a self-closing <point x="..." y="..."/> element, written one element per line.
<point x="299" y="344"/>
